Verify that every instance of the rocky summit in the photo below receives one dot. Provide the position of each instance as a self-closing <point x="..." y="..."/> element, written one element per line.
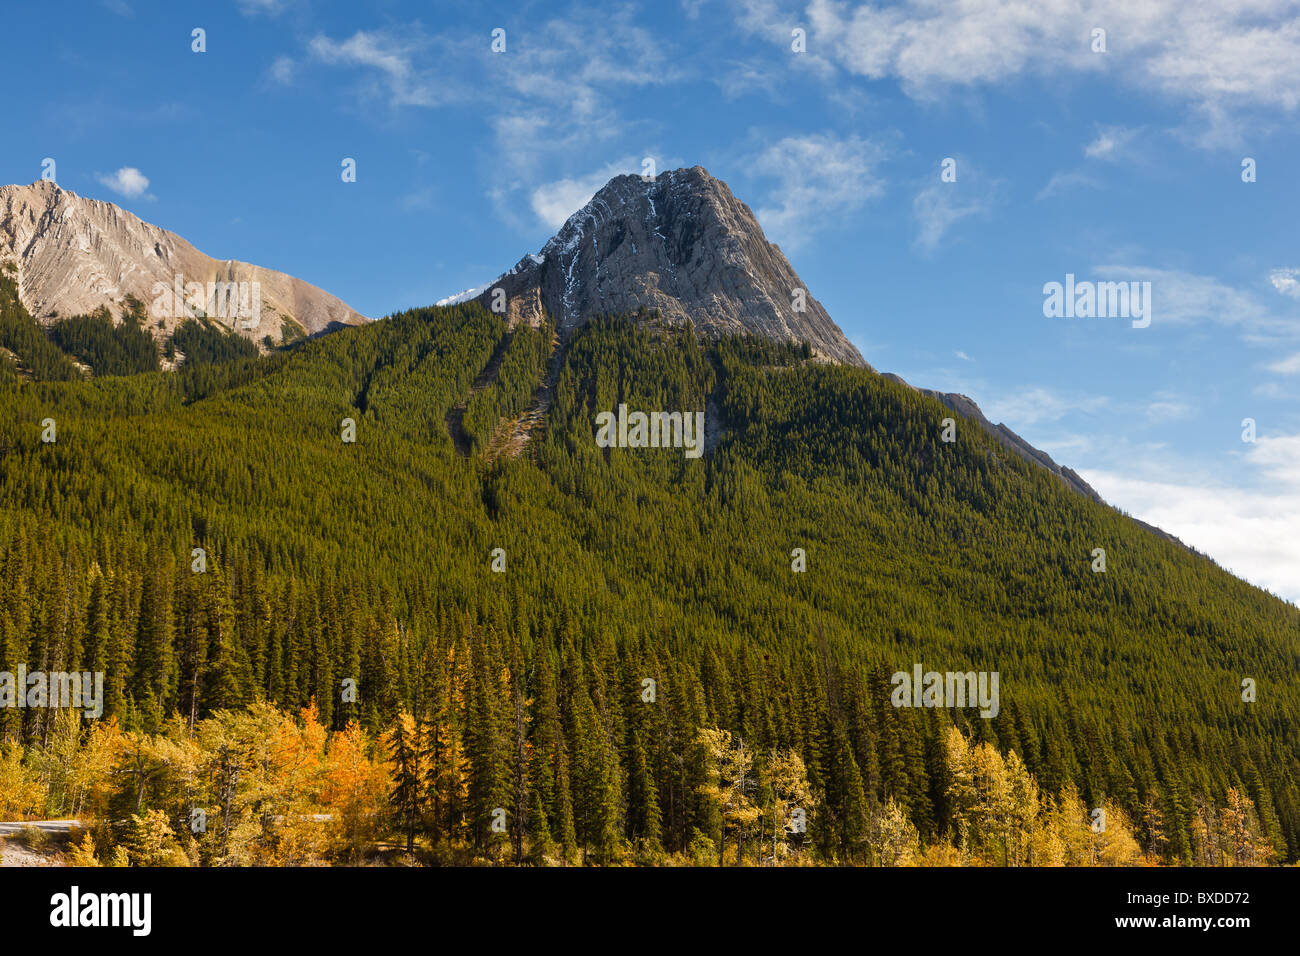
<point x="680" y="244"/>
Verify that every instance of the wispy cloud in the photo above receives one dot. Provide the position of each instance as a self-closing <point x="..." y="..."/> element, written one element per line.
<point x="550" y="100"/>
<point x="1287" y="366"/>
<point x="251" y="8"/>
<point x="282" y="70"/>
<point x="1184" y="298"/>
<point x="736" y="78"/>
<point x="819" y="179"/>
<point x="418" y="200"/>
<point x="939" y="206"/>
<point x="1224" y="59"/>
<point x="937" y="209"/>
<point x="1066" y="180"/>
<point x="1110" y="143"/>
<point x="775" y="22"/>
<point x="390" y="58"/>
<point x="1166" y="410"/>
<point x="1032" y="405"/>
<point x="557" y="90"/>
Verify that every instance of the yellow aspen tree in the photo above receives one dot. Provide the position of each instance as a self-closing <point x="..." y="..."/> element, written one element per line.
<point x="1116" y="845"/>
<point x="20" y="795"/>
<point x="1022" y="821"/>
<point x="728" y="783"/>
<point x="1243" y="840"/>
<point x="894" y="840"/>
<point x="1073" y="825"/>
<point x="355" y="789"/>
<point x="961" y="784"/>
<point x="792" y="799"/>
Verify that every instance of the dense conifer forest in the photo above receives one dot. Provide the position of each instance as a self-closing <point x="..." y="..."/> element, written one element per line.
<point x="108" y="349"/>
<point x="337" y="650"/>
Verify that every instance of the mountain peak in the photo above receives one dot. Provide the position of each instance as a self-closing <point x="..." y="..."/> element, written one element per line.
<point x="680" y="243"/>
<point x="72" y="255"/>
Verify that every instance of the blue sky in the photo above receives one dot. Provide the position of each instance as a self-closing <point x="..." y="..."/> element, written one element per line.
<point x="1123" y="164"/>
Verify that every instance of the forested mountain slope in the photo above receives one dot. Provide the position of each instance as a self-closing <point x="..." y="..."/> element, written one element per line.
<point x="373" y="561"/>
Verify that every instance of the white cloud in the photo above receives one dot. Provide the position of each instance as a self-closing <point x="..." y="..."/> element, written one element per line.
<point x="391" y="57"/>
<point x="282" y="70"/>
<point x="1168" y="410"/>
<point x="1252" y="531"/>
<point x="1110" y="142"/>
<point x="554" y="75"/>
<point x="1033" y="405"/>
<point x="928" y="45"/>
<point x="1182" y="298"/>
<point x="769" y="20"/>
<point x="819" y="177"/>
<point x="736" y="78"/>
<point x="1029" y="406"/>
<point x="550" y="100"/>
<point x="1219" y="57"/>
<point x="1275" y="391"/>
<point x="418" y="200"/>
<point x="963" y="356"/>
<point x="127" y="181"/>
<point x="555" y="202"/>
<point x="940" y="206"/>
<point x="270" y="7"/>
<point x="1286" y="281"/>
<point x="1067" y="180"/>
<point x="1287" y="366"/>
<point x="556" y="89"/>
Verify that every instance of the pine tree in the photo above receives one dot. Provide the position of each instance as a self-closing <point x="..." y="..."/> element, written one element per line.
<point x="407" y="796"/>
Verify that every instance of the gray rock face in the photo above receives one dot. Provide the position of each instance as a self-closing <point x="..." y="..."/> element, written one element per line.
<point x="682" y="244"/>
<point x="74" y="255"/>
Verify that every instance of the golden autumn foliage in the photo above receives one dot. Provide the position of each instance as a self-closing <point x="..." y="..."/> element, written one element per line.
<point x="1002" y="818"/>
<point x="264" y="787"/>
